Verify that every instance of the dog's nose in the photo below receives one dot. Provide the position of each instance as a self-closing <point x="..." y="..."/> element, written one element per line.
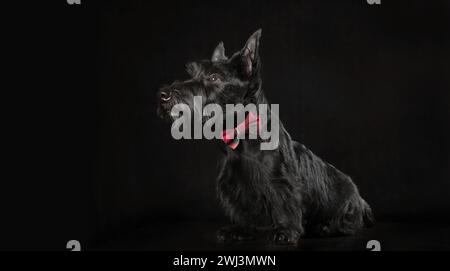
<point x="165" y="96"/>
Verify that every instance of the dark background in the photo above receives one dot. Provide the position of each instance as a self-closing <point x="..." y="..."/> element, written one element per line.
<point x="365" y="87"/>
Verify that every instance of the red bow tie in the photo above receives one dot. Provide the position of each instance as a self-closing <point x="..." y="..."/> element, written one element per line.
<point x="231" y="136"/>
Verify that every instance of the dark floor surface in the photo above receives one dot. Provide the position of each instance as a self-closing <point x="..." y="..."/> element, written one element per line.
<point x="201" y="236"/>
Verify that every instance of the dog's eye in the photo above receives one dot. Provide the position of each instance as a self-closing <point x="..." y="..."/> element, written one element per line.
<point x="213" y="77"/>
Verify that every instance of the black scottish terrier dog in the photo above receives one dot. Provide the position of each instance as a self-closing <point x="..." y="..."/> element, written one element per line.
<point x="283" y="193"/>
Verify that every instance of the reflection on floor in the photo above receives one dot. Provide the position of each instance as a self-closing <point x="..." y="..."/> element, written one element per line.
<point x="201" y="236"/>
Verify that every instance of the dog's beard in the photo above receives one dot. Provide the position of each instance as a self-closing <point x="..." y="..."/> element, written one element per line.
<point x="164" y="111"/>
<point x="168" y="116"/>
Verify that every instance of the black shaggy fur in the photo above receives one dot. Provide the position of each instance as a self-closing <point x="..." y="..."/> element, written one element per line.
<point x="285" y="192"/>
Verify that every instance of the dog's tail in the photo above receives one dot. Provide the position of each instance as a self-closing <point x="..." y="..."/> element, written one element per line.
<point x="368" y="217"/>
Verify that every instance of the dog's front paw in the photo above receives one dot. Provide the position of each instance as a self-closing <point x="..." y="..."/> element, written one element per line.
<point x="230" y="234"/>
<point x="285" y="236"/>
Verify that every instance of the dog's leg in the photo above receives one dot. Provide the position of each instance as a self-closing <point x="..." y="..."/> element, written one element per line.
<point x="285" y="235"/>
<point x="236" y="233"/>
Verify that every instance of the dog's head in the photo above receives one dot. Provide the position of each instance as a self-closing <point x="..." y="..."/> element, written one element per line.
<point x="220" y="80"/>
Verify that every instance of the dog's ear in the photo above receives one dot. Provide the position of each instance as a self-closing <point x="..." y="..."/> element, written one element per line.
<point x="219" y="53"/>
<point x="249" y="54"/>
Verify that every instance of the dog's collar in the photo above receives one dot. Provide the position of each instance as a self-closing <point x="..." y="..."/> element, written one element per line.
<point x="231" y="136"/>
